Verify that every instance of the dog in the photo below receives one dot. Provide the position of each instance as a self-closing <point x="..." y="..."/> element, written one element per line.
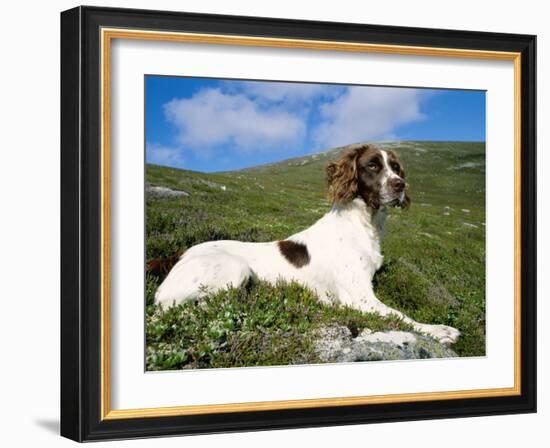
<point x="336" y="257"/>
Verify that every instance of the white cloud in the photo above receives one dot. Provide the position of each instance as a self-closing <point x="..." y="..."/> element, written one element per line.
<point x="164" y="155"/>
<point x="366" y="113"/>
<point x="288" y="92"/>
<point x="211" y="117"/>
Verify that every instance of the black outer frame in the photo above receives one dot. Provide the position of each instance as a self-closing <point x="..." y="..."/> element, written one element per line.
<point x="80" y="223"/>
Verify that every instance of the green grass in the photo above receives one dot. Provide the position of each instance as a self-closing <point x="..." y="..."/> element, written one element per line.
<point x="254" y="325"/>
<point x="434" y="266"/>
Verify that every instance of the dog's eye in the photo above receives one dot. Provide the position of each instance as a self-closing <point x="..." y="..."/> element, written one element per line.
<point x="372" y="166"/>
<point x="395" y="167"/>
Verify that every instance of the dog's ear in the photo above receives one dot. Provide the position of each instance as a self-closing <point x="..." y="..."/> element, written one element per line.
<point x="342" y="177"/>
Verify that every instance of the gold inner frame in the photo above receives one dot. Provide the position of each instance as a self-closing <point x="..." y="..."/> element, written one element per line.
<point x="107" y="35"/>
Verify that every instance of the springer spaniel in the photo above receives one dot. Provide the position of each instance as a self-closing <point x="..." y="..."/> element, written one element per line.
<point x="336" y="257"/>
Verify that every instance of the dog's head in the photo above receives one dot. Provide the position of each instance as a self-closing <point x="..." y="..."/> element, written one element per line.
<point x="373" y="174"/>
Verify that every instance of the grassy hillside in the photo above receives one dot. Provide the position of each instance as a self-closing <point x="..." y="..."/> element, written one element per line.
<point x="434" y="267"/>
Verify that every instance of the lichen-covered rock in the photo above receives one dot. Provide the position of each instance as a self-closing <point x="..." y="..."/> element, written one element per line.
<point x="155" y="191"/>
<point x="336" y="344"/>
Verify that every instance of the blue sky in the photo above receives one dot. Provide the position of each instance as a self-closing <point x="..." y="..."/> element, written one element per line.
<point x="218" y="125"/>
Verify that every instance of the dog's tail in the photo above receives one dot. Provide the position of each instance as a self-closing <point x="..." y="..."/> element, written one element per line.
<point x="160" y="267"/>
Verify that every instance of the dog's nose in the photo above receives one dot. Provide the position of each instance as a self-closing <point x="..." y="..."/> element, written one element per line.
<point x="397" y="184"/>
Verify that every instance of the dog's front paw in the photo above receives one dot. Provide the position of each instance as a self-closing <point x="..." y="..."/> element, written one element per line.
<point x="444" y="334"/>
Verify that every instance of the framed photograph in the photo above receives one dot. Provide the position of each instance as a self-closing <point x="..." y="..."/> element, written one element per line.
<point x="273" y="223"/>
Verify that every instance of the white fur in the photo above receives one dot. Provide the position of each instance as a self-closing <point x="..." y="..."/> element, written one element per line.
<point x="386" y="193"/>
<point x="344" y="249"/>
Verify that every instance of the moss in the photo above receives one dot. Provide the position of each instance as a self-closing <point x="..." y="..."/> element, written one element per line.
<point x="254" y="325"/>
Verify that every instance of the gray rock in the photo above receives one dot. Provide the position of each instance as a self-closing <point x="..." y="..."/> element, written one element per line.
<point x="336" y="344"/>
<point x="156" y="191"/>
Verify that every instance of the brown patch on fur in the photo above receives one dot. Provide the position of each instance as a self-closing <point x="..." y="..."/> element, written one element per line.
<point x="160" y="267"/>
<point x="295" y="253"/>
